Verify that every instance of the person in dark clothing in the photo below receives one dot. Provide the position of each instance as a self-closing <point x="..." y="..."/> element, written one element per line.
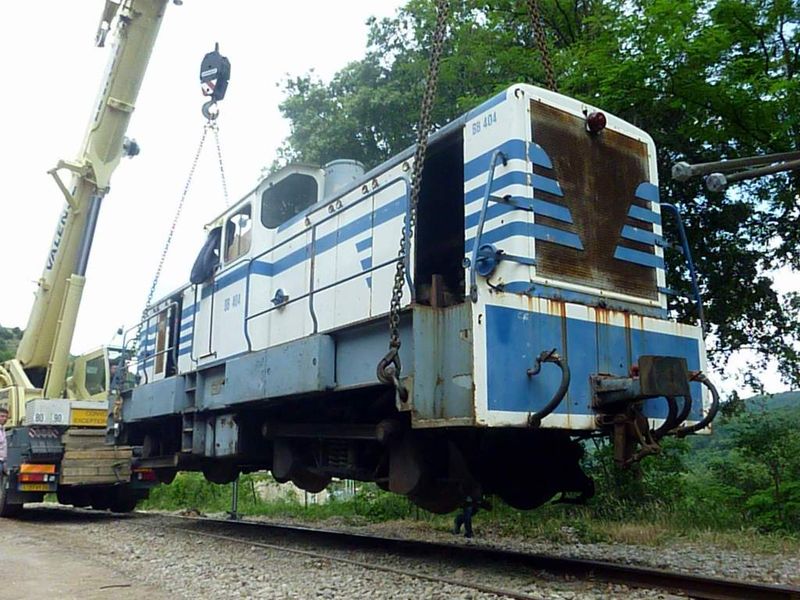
<point x="464" y="518"/>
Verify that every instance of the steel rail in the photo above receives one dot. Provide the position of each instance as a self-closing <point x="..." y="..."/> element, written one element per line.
<point x="371" y="566"/>
<point x="694" y="586"/>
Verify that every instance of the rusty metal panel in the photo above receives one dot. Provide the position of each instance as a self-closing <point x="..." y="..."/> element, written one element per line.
<point x="443" y="386"/>
<point x="598" y="176"/>
<point x="664" y="376"/>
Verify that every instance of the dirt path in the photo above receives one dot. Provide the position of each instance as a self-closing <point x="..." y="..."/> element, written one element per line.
<point x="38" y="562"/>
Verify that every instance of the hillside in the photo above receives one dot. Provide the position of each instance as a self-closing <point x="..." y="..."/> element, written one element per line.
<point x="782" y="407"/>
<point x="9" y="340"/>
<point x="774" y="401"/>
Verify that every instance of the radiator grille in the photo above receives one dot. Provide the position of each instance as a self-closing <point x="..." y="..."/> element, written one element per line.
<point x="599" y="176"/>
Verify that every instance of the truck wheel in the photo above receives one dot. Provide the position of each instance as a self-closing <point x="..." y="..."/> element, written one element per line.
<point x="166" y="476"/>
<point x="122" y="501"/>
<point x="101" y="500"/>
<point x="7" y="509"/>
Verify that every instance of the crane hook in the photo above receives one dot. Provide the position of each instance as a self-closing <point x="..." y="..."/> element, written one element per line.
<point x="210" y="110"/>
<point x="215" y="71"/>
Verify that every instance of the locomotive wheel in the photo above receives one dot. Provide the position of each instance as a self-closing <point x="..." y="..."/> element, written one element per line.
<point x="439" y="498"/>
<point x="7" y="509"/>
<point x="525" y="498"/>
<point x="309" y="481"/>
<point x="220" y="473"/>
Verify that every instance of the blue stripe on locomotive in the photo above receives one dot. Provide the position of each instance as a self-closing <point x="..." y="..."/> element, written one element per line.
<point x="514" y="339"/>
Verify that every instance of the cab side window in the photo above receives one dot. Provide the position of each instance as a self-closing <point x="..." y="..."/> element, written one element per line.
<point x="96" y="375"/>
<point x="238" y="234"/>
<point x="290" y="196"/>
<point x="161" y="342"/>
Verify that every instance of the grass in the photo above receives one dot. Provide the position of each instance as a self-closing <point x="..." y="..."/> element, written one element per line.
<point x="653" y="525"/>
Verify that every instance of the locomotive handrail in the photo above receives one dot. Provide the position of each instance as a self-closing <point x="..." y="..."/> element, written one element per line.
<point x="170" y="348"/>
<point x="473" y="283"/>
<point x="689" y="262"/>
<point x="313" y="228"/>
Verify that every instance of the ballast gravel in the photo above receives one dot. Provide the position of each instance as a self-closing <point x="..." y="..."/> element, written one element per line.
<point x="155" y="550"/>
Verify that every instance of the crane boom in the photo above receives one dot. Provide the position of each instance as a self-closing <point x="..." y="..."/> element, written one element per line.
<point x="44" y="349"/>
<point x="57" y="426"/>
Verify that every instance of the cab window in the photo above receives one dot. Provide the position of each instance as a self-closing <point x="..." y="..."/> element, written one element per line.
<point x="161" y="341"/>
<point x="238" y="234"/>
<point x="96" y="375"/>
<point x="290" y="196"/>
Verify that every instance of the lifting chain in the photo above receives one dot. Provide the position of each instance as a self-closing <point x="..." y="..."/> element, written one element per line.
<point x="537" y="27"/>
<point x="215" y="130"/>
<point x="389" y="367"/>
<point x="211" y="125"/>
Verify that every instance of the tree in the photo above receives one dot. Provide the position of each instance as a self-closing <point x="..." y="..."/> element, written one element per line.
<point x="9" y="340"/>
<point x="708" y="79"/>
<point x="770" y="440"/>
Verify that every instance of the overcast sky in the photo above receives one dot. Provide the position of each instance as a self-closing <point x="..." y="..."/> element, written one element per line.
<point x="51" y="72"/>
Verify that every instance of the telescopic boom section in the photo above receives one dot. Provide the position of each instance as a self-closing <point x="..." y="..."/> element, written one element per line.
<point x="44" y="349"/>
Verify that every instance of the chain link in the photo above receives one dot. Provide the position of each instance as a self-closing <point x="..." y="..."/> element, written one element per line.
<point x="537" y="28"/>
<point x="215" y="130"/>
<point x="210" y="125"/>
<point x="389" y="367"/>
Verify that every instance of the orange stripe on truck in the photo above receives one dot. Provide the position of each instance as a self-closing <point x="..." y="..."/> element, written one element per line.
<point x="36" y="468"/>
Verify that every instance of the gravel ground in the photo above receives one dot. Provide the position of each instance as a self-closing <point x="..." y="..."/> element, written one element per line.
<point x="181" y="564"/>
<point x="682" y="557"/>
<point x="185" y="565"/>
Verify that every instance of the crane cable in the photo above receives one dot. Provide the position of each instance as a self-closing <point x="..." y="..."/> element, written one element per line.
<point x="389" y="367"/>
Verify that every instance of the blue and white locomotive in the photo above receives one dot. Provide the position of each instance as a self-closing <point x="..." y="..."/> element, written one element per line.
<point x="534" y="314"/>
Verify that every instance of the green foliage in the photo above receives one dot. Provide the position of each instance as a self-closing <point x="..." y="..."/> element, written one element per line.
<point x="749" y="471"/>
<point x="708" y="79"/>
<point x="9" y="340"/>
<point x="377" y="505"/>
<point x="649" y="486"/>
<point x="746" y="474"/>
<point x="191" y="490"/>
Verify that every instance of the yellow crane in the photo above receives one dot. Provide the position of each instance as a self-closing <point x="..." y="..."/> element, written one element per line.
<point x="56" y="427"/>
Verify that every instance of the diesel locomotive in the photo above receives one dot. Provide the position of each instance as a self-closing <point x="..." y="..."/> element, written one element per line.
<point x="534" y="314"/>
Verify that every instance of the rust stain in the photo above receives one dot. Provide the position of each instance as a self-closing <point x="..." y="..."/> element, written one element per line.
<point x="598" y="200"/>
<point x="556" y="307"/>
<point x="602" y="315"/>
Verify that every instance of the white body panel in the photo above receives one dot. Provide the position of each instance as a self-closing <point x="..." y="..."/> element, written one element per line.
<point x="332" y="265"/>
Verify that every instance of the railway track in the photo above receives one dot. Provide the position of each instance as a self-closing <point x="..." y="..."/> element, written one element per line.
<point x="275" y="536"/>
